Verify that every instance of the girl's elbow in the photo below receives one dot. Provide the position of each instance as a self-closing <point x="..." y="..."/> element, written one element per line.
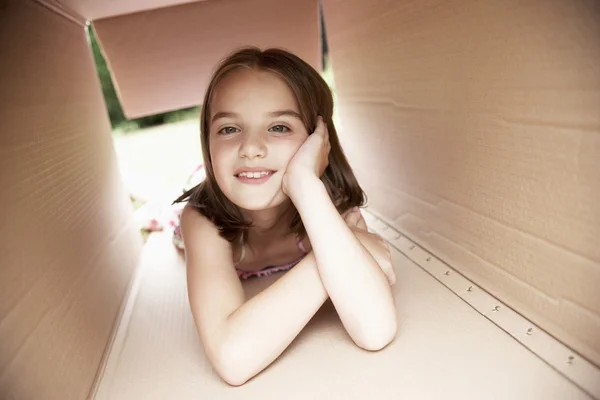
<point x="378" y="343"/>
<point x="228" y="365"/>
<point x="231" y="374"/>
<point x="378" y="339"/>
<point x="233" y="379"/>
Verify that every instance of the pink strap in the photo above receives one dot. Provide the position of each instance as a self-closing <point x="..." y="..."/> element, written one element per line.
<point x="301" y="245"/>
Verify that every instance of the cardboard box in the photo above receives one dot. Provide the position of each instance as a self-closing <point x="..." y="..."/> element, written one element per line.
<point x="473" y="126"/>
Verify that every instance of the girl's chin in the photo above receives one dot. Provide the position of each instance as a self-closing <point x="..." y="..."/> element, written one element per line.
<point x="262" y="204"/>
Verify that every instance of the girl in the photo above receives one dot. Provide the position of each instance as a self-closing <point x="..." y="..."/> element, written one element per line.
<point x="278" y="193"/>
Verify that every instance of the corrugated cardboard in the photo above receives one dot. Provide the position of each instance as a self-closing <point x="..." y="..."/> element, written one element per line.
<point x="189" y="41"/>
<point x="475" y="128"/>
<point x="94" y="9"/>
<point x="68" y="243"/>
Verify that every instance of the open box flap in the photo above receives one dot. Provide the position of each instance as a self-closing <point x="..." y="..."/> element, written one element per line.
<point x="162" y="60"/>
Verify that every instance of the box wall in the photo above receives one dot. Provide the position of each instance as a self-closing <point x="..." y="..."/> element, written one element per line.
<point x="68" y="243"/>
<point x="475" y="129"/>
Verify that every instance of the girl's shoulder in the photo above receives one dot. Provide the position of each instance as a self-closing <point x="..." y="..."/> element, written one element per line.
<point x="191" y="215"/>
<point x="196" y="227"/>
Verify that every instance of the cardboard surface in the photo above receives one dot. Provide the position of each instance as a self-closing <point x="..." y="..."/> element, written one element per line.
<point x="162" y="60"/>
<point x="68" y="243"/>
<point x="475" y="129"/>
<point x="97" y="9"/>
<point x="473" y="126"/>
<point x="444" y="349"/>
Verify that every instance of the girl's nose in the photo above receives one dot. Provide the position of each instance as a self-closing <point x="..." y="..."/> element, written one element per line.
<point x="253" y="146"/>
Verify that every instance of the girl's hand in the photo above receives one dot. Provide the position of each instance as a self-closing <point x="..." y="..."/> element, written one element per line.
<point x="376" y="245"/>
<point x="311" y="159"/>
<point x="380" y="251"/>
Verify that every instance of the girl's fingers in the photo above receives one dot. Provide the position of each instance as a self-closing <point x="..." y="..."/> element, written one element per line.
<point x="321" y="128"/>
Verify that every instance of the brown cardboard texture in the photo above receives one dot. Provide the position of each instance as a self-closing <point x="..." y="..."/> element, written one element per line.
<point x="473" y="126"/>
<point x="68" y="243"/>
<point x="189" y="40"/>
<point x="95" y="10"/>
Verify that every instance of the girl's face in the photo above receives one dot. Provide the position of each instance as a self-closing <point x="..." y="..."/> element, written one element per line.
<point x="254" y="131"/>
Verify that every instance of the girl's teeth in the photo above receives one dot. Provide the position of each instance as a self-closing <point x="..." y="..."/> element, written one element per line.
<point x="254" y="174"/>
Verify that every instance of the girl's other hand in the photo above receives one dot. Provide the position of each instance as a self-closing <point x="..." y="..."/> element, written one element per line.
<point x="375" y="244"/>
<point x="311" y="159"/>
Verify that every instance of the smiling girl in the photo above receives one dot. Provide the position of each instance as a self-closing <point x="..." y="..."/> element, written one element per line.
<point x="279" y="195"/>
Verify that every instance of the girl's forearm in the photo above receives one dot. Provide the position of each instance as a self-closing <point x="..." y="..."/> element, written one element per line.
<point x="261" y="329"/>
<point x="356" y="285"/>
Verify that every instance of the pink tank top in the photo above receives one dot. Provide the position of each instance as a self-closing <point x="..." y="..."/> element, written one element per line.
<point x="271" y="269"/>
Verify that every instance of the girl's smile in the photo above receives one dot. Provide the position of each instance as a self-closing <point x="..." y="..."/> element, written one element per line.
<point x="254" y="176"/>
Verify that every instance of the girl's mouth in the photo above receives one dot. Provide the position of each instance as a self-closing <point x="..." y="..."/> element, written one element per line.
<point x="255" y="177"/>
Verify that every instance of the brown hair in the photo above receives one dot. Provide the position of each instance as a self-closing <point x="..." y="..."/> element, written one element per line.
<point x="314" y="99"/>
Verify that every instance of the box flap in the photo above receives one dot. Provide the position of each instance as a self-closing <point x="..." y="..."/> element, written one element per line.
<point x="97" y="9"/>
<point x="162" y="60"/>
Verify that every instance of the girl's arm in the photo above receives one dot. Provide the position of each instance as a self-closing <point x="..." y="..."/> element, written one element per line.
<point x="356" y="284"/>
<point x="241" y="337"/>
<point x="351" y="276"/>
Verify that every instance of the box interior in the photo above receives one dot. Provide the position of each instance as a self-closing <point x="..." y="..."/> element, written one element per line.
<point x="474" y="128"/>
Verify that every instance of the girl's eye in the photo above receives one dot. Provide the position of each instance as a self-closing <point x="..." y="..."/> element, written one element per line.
<point x="228" y="130"/>
<point x="280" y="129"/>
